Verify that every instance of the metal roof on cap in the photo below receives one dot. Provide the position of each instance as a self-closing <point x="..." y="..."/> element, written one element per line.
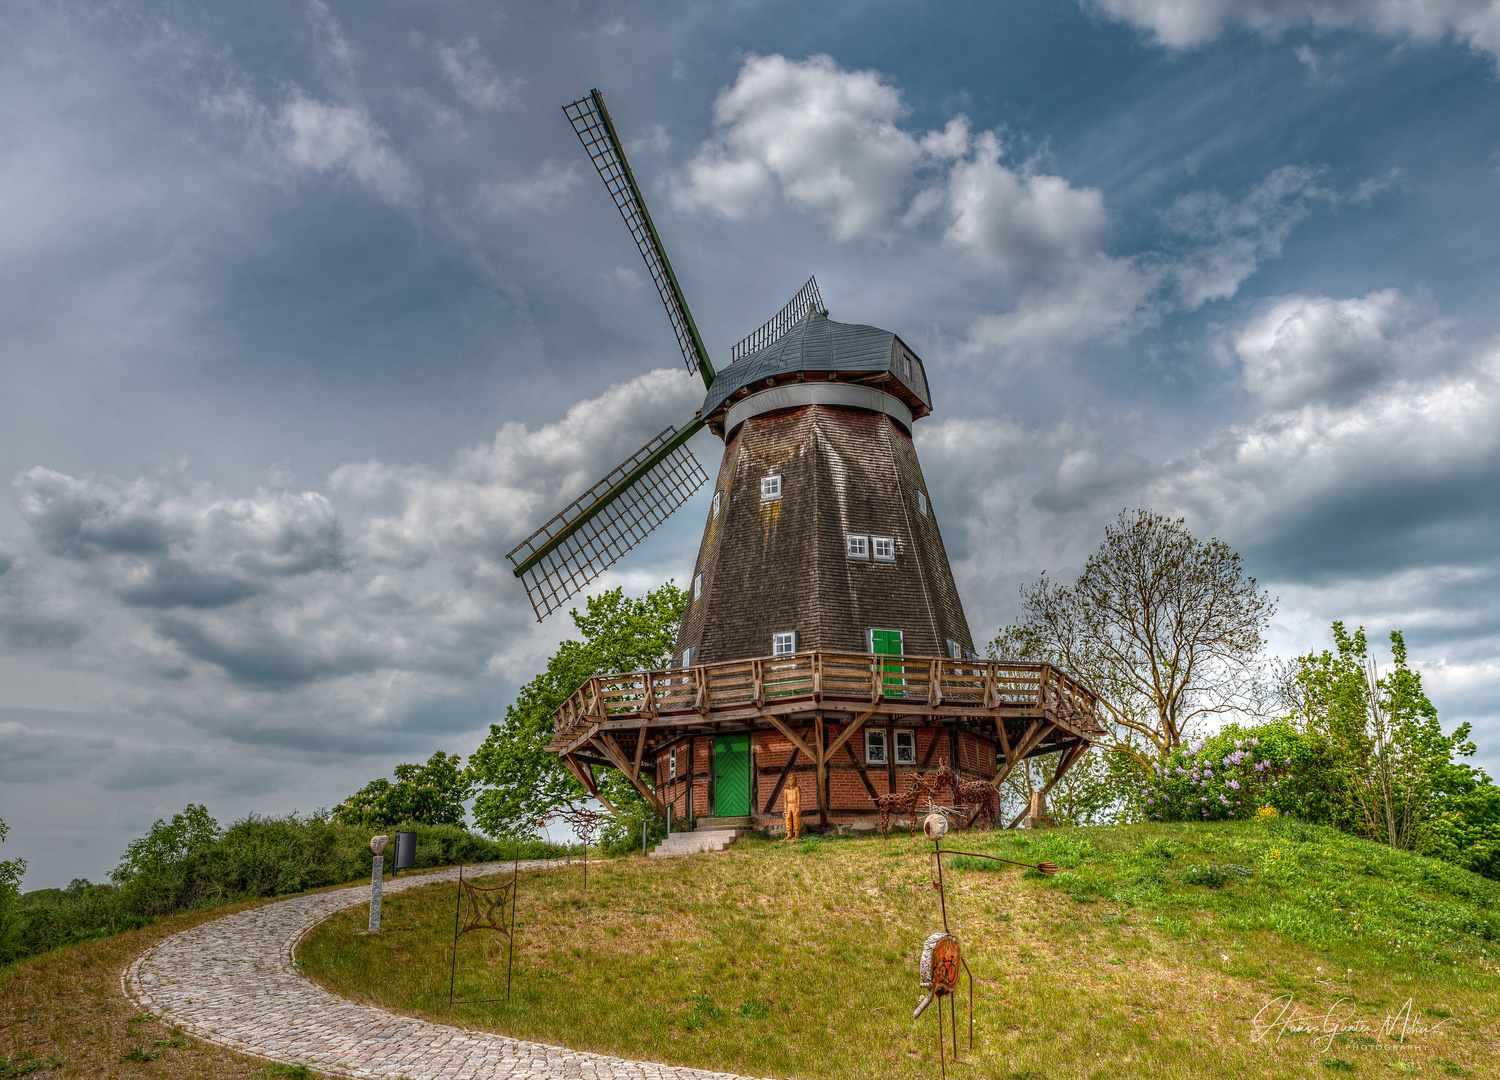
<point x="815" y="344"/>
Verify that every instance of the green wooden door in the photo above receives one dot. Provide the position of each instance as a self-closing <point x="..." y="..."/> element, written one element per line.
<point x="732" y="775"/>
<point x="888" y="643"/>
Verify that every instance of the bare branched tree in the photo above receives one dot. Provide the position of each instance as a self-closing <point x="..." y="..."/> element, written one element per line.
<point x="1168" y="629"/>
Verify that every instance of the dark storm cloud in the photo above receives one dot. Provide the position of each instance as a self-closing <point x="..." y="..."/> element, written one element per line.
<point x="30" y="755"/>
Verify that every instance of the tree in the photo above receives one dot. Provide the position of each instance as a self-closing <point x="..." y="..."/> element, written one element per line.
<point x="10" y="876"/>
<point x="520" y="780"/>
<point x="1394" y="760"/>
<point x="1166" y="628"/>
<point x="431" y="794"/>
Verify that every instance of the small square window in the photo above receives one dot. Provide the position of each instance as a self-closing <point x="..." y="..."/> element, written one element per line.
<point x="672" y="765"/>
<point x="875" y="752"/>
<point x="955" y="650"/>
<point x="856" y="545"/>
<point x="784" y="644"/>
<point x="698" y="587"/>
<point x="922" y="503"/>
<point x="688" y="654"/>
<point x="906" y="748"/>
<point x="770" y="487"/>
<point x="717" y="504"/>
<point x="883" y="548"/>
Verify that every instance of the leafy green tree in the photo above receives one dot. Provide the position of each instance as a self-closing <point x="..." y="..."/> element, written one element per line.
<point x="520" y="781"/>
<point x="155" y="868"/>
<point x="431" y="794"/>
<point x="1395" y="762"/>
<point x="10" y="877"/>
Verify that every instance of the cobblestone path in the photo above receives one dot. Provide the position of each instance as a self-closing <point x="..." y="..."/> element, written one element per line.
<point x="231" y="982"/>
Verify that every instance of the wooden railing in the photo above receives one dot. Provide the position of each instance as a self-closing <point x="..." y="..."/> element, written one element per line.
<point x="853" y="681"/>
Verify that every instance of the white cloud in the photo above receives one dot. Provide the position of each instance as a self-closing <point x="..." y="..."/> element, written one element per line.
<point x="324" y="136"/>
<point x="495" y="494"/>
<point x="1297" y="349"/>
<point x="1226" y="240"/>
<point x="474" y="79"/>
<point x="1031" y="225"/>
<point x="827" y="137"/>
<point x="1185" y="24"/>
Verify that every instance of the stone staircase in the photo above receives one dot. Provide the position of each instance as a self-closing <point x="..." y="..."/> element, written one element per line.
<point x="710" y="834"/>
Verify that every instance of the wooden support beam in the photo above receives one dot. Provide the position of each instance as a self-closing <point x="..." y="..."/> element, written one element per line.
<point x="860" y="768"/>
<point x="780" y="725"/>
<point x="937" y="737"/>
<point x="589" y="768"/>
<point x="847" y="732"/>
<point x="617" y="758"/>
<point x="786" y="770"/>
<point x="640" y="748"/>
<point x="1034" y="735"/>
<point x="822" y="766"/>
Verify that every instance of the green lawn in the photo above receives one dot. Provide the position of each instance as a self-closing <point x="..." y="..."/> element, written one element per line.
<point x="1151" y="954"/>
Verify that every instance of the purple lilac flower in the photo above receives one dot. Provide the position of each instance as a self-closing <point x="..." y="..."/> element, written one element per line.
<point x="1234" y="784"/>
<point x="1288" y="761"/>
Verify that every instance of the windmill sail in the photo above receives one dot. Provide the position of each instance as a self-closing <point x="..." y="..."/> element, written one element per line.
<point x="592" y="533"/>
<point x="807" y="300"/>
<point x="591" y="120"/>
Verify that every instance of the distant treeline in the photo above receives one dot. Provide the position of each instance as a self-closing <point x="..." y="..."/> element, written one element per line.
<point x="189" y="862"/>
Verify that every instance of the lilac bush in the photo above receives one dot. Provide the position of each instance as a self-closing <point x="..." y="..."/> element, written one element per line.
<point x="1228" y="775"/>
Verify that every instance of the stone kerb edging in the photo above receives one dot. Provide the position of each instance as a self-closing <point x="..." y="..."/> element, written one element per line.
<point x="232" y="982"/>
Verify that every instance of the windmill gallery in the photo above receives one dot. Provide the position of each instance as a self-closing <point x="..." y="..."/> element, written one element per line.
<point x="824" y="636"/>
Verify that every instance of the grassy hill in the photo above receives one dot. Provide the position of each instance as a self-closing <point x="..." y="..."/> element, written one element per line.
<point x="1181" y="950"/>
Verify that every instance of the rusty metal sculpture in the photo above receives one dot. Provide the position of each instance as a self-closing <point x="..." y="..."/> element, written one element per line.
<point x="980" y="798"/>
<point x="942" y="953"/>
<point x="585" y="824"/>
<point x="483" y="903"/>
<point x="905" y="802"/>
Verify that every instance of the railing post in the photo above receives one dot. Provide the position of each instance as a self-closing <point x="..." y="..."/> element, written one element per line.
<point x="816" y="660"/>
<point x="758" y="686"/>
<point x="650" y="701"/>
<point x="934" y="690"/>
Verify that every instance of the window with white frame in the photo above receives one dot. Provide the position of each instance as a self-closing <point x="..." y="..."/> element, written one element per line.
<point x="922" y="503"/>
<point x="688" y="654"/>
<point x="717" y="503"/>
<point x="883" y="548"/>
<point x="906" y="747"/>
<point x="955" y="650"/>
<point x="770" y="487"/>
<point x="856" y="545"/>
<point x="672" y="765"/>
<point x="784" y="644"/>
<point x="875" y="747"/>
<point x="697" y="586"/>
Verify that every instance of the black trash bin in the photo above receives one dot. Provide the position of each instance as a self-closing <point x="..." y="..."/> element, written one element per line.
<point x="406" y="851"/>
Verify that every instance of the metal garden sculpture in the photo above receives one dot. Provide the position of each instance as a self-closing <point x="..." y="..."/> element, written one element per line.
<point x="483" y="907"/>
<point x="942" y="953"/>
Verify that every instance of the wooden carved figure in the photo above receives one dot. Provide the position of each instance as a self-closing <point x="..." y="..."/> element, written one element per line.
<point x="791" y="811"/>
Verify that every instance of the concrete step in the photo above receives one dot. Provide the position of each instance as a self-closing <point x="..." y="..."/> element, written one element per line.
<point x="699" y="840"/>
<point x="741" y="823"/>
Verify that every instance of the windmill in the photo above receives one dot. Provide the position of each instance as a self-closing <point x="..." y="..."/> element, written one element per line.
<point x="822" y="604"/>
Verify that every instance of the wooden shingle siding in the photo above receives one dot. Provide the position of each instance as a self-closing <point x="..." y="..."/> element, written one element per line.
<point x="779" y="565"/>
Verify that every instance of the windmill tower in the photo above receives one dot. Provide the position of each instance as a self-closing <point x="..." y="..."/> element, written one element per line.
<point x="824" y="633"/>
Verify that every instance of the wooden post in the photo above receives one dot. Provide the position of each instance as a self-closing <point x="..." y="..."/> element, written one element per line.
<point x="754" y="776"/>
<point x="710" y="807"/>
<point x="822" y="764"/>
<point x="692" y="776"/>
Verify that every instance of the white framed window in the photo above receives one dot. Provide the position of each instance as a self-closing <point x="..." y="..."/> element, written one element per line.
<point x="875" y="747"/>
<point x="688" y="654"/>
<point x="856" y="546"/>
<point x="922" y="503"/>
<point x="698" y="587"/>
<point x="883" y="548"/>
<point x="770" y="487"/>
<point x="955" y="650"/>
<point x="672" y="765"/>
<point x="784" y="644"/>
<point x="906" y="747"/>
<point x="717" y="504"/>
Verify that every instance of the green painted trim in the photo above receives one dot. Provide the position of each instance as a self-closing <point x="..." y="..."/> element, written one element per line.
<point x="705" y="367"/>
<point x="631" y="478"/>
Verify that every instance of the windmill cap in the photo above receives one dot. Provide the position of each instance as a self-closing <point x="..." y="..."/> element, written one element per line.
<point x="817" y="350"/>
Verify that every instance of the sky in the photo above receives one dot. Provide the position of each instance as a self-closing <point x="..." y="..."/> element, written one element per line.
<point x="309" y="312"/>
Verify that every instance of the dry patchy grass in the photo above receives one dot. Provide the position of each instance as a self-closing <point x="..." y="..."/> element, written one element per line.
<point x="801" y="961"/>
